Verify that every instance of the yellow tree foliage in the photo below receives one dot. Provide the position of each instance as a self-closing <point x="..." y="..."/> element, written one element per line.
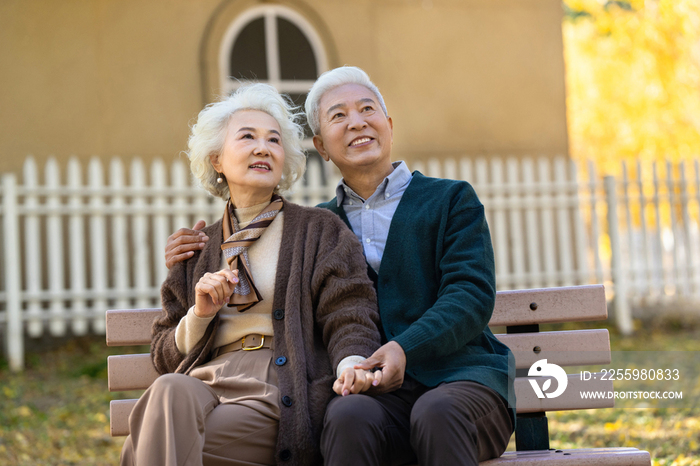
<point x="633" y="80"/>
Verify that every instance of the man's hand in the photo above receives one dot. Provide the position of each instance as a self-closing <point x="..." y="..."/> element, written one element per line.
<point x="356" y="381"/>
<point x="182" y="244"/>
<point x="391" y="359"/>
<point x="213" y="290"/>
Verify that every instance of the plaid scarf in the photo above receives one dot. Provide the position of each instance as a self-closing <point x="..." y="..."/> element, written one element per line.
<point x="235" y="248"/>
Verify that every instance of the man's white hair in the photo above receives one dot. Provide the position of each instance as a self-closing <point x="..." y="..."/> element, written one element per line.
<point x="209" y="133"/>
<point x="330" y="80"/>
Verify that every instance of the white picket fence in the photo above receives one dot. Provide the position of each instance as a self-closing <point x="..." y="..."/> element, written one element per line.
<point x="532" y="207"/>
<point x="74" y="248"/>
<point x="653" y="225"/>
<point x="80" y="242"/>
<point x="637" y="234"/>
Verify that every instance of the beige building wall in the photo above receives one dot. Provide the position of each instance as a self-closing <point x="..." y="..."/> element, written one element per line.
<point x="126" y="77"/>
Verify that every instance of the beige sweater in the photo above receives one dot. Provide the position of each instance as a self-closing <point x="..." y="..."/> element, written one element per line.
<point x="263" y="256"/>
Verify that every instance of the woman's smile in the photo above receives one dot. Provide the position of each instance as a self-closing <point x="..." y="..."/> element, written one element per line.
<point x="261" y="166"/>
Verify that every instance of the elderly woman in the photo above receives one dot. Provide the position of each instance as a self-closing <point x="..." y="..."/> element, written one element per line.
<point x="258" y="325"/>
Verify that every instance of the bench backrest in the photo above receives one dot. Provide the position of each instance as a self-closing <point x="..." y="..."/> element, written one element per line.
<point x="520" y="312"/>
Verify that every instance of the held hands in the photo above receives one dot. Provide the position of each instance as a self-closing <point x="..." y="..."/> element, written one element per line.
<point x="213" y="290"/>
<point x="182" y="244"/>
<point x="356" y="381"/>
<point x="391" y="359"/>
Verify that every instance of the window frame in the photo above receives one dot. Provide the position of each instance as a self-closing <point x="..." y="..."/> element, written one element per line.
<point x="270" y="13"/>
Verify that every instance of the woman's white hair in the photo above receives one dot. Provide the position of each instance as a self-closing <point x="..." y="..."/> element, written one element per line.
<point x="330" y="80"/>
<point x="209" y="133"/>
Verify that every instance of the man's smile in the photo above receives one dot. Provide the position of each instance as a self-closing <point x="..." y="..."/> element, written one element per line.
<point x="361" y="140"/>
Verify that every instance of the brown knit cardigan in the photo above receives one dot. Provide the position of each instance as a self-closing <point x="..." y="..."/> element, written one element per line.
<point x="324" y="309"/>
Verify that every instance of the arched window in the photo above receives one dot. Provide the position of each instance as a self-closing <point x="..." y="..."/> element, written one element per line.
<point x="276" y="45"/>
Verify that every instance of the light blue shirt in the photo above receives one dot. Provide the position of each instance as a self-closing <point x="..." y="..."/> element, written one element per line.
<point x="370" y="218"/>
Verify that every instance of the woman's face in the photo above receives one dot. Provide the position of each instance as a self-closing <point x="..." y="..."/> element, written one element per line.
<point x="252" y="158"/>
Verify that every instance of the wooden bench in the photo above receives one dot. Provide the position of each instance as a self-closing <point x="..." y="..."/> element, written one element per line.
<point x="521" y="312"/>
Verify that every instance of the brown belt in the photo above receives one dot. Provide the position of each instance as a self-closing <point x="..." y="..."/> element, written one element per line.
<point x="251" y="342"/>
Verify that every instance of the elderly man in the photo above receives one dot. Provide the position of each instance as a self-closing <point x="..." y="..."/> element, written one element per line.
<point x="446" y="390"/>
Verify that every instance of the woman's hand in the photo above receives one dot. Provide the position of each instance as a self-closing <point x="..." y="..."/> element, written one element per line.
<point x="356" y="381"/>
<point x="213" y="290"/>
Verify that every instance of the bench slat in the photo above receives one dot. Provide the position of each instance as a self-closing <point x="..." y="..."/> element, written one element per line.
<point x="554" y="305"/>
<point x="126" y="327"/>
<point x="527" y="401"/>
<point x="130" y="327"/>
<point x="119" y="411"/>
<point x="565" y="348"/>
<point x="580" y="457"/>
<point x="130" y="372"/>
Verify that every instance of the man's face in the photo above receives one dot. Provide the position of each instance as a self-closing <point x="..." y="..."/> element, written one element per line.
<point x="354" y="131"/>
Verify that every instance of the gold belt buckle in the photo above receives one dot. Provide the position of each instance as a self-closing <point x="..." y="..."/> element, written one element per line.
<point x="262" y="342"/>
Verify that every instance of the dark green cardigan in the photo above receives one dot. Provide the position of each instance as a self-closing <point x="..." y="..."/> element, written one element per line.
<point x="437" y="286"/>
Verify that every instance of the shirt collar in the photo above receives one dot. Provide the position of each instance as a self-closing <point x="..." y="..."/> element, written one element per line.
<point x="391" y="184"/>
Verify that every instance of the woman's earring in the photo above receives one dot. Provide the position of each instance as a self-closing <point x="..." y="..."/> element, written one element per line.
<point x="220" y="179"/>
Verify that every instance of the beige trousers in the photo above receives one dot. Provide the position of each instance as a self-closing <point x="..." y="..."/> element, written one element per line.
<point x="225" y="413"/>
